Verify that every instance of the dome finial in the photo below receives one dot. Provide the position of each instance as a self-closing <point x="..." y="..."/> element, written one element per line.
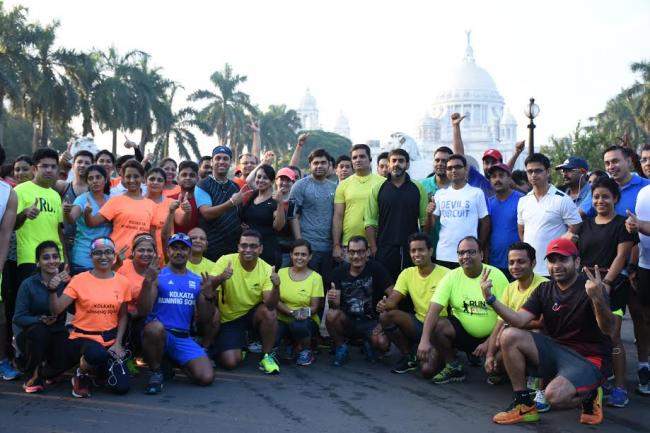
<point x="469" y="52"/>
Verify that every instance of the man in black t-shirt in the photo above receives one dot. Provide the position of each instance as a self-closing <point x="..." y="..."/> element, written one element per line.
<point x="576" y="347"/>
<point x="356" y="289"/>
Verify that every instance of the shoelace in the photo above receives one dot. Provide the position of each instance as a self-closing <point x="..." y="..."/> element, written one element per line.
<point x="112" y="379"/>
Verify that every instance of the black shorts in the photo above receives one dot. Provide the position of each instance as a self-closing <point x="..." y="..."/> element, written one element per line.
<point x="619" y="293"/>
<point x="643" y="286"/>
<point x="464" y="340"/>
<point x="359" y="328"/>
<point x="232" y="335"/>
<point x="557" y="360"/>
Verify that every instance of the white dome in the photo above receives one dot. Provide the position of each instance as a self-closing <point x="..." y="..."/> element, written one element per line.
<point x="427" y="120"/>
<point x="308" y="101"/>
<point x="342" y="122"/>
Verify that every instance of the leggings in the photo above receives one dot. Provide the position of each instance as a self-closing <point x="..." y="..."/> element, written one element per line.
<point x="97" y="356"/>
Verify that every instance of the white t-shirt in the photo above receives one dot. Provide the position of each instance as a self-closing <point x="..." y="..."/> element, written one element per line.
<point x="642" y="211"/>
<point x="459" y="211"/>
<point x="544" y="220"/>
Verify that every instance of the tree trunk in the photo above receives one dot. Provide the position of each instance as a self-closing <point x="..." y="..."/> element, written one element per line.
<point x="44" y="129"/>
<point x="35" y="134"/>
<point x="2" y="116"/>
<point x="114" y="148"/>
<point x="87" y="125"/>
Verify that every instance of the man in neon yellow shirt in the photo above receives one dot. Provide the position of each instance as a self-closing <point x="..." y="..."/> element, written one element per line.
<point x="351" y="200"/>
<point x="249" y="293"/>
<point x="419" y="283"/>
<point x="521" y="262"/>
<point x="39" y="215"/>
<point x="472" y="320"/>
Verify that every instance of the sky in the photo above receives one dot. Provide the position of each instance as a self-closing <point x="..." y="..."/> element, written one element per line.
<point x="379" y="63"/>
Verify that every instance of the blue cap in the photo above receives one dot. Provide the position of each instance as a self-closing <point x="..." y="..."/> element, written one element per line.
<point x="572" y="163"/>
<point x="180" y="237"/>
<point x="222" y="149"/>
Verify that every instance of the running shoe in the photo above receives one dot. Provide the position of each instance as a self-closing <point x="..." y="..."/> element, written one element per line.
<point x="34" y="387"/>
<point x="592" y="409"/>
<point x="496" y="379"/>
<point x="473" y="360"/>
<point x="541" y="403"/>
<point x="80" y="385"/>
<point x="7" y="371"/>
<point x="155" y="384"/>
<point x="405" y="364"/>
<point x="305" y="357"/>
<point x="451" y="373"/>
<point x="269" y="365"/>
<point x="618" y="397"/>
<point x="341" y="355"/>
<point x="644" y="381"/>
<point x="517" y="412"/>
<point x="255" y="347"/>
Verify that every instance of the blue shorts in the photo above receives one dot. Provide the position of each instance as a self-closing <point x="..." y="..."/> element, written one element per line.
<point x="418" y="326"/>
<point x="232" y="335"/>
<point x="297" y="329"/>
<point x="182" y="350"/>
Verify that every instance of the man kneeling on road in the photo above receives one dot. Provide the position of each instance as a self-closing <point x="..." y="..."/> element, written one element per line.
<point x="575" y="352"/>
<point x="419" y="282"/>
<point x="472" y="320"/>
<point x="250" y="290"/>
<point x="169" y="298"/>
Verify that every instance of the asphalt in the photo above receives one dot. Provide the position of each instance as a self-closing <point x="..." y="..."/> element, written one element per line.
<point x="359" y="397"/>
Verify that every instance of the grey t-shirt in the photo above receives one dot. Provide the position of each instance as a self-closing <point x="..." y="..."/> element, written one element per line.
<point x="315" y="204"/>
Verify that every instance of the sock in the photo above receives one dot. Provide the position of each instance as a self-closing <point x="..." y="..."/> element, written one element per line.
<point x="641" y="365"/>
<point x="524" y="397"/>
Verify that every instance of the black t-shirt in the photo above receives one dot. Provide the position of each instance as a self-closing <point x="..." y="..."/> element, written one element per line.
<point x="399" y="212"/>
<point x="569" y="317"/>
<point x="223" y="231"/>
<point x="360" y="294"/>
<point x="259" y="217"/>
<point x="597" y="242"/>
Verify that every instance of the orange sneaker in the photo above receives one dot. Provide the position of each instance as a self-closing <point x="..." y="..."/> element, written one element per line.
<point x="592" y="410"/>
<point x="516" y="413"/>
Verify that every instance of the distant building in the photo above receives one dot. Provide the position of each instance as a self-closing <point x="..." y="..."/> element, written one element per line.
<point x="308" y="112"/>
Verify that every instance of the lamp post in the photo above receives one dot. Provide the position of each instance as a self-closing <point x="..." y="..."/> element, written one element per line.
<point x="531" y="111"/>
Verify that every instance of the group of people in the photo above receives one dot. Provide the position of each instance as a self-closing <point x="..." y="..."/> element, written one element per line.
<point x="182" y="266"/>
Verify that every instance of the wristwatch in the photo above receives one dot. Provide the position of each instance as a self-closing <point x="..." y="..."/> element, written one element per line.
<point x="491" y="300"/>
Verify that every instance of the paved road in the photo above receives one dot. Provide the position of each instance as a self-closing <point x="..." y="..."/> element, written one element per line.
<point x="356" y="398"/>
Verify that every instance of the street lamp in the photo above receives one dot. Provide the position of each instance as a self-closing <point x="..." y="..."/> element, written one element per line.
<point x="531" y="111"/>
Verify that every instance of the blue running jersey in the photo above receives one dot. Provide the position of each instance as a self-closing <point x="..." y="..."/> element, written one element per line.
<point x="177" y="295"/>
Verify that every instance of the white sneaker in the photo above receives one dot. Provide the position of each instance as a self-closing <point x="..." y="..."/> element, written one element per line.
<point x="541" y="403"/>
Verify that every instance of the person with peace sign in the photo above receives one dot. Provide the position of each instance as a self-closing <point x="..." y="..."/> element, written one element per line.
<point x="574" y="353"/>
<point x="170" y="299"/>
<point x="249" y="293"/>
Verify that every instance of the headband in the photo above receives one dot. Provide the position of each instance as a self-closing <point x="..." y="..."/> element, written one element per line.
<point x="101" y="242"/>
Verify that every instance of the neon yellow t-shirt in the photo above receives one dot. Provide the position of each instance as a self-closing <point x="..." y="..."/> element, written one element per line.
<point x="514" y="298"/>
<point x="298" y="294"/>
<point x="45" y="227"/>
<point x="354" y="193"/>
<point x="464" y="296"/>
<point x="205" y="265"/>
<point x="419" y="288"/>
<point x="244" y="289"/>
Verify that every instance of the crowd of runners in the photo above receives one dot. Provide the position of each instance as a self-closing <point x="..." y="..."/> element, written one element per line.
<point x="113" y="267"/>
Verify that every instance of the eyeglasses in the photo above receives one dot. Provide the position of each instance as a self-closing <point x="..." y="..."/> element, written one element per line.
<point x="455" y="167"/>
<point x="470" y="253"/>
<point x="249" y="246"/>
<point x="100" y="253"/>
<point x="644" y="160"/>
<point x="356" y="252"/>
<point x="535" y="171"/>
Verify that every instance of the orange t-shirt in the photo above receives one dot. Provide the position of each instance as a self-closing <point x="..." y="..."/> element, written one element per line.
<point x="129" y="217"/>
<point x="97" y="304"/>
<point x="116" y="181"/>
<point x="170" y="192"/>
<point x="135" y="282"/>
<point x="161" y="210"/>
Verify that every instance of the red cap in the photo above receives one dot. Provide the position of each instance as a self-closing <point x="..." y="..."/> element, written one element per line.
<point x="286" y="171"/>
<point x="493" y="153"/>
<point x="499" y="166"/>
<point x="561" y="246"/>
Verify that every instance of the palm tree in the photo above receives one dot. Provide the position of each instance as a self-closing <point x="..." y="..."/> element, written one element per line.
<point x="227" y="109"/>
<point x="278" y="128"/>
<point x="178" y="128"/>
<point x="83" y="71"/>
<point x="16" y="63"/>
<point x="50" y="96"/>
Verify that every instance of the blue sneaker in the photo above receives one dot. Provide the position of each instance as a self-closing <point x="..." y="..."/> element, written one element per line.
<point x="541" y="403"/>
<point x="618" y="398"/>
<point x="341" y="355"/>
<point x="7" y="371"/>
<point x="369" y="351"/>
<point x="305" y="358"/>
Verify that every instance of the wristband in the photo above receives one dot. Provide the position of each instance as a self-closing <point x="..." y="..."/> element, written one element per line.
<point x="491" y="299"/>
